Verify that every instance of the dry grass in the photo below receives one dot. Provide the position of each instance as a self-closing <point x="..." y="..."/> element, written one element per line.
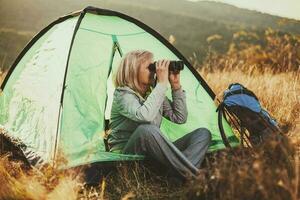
<point x="269" y="172"/>
<point x="272" y="172"/>
<point x="18" y="183"/>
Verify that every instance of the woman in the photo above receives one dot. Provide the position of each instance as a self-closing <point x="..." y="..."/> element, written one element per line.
<point x="137" y="113"/>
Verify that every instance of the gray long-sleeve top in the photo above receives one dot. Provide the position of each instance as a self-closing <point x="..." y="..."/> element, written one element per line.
<point x="129" y="110"/>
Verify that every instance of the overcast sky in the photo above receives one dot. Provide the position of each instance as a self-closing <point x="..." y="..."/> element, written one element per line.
<point x="284" y="8"/>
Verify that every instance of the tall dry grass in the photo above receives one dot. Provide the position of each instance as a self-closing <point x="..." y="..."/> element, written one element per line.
<point x="269" y="172"/>
<point x="272" y="172"/>
<point x="20" y="183"/>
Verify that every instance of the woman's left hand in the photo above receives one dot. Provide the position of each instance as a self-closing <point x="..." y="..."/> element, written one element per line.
<point x="174" y="79"/>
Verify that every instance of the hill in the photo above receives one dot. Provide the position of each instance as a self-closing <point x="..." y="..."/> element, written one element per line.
<point x="190" y="22"/>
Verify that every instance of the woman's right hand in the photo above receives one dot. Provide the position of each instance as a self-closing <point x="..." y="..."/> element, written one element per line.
<point x="162" y="71"/>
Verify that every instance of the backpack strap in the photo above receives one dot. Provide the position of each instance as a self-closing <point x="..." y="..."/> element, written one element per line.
<point x="220" y="111"/>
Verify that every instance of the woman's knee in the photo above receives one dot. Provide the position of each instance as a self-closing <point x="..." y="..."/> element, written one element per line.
<point x="204" y="133"/>
<point x="146" y="130"/>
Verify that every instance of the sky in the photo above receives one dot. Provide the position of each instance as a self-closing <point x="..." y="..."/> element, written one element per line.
<point x="283" y="8"/>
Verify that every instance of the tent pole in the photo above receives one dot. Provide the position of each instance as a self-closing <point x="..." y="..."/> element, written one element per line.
<point x="82" y="14"/>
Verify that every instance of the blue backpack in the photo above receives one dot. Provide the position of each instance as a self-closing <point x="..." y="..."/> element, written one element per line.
<point x="246" y="113"/>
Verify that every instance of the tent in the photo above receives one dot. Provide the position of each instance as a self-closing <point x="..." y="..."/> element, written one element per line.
<point x="57" y="96"/>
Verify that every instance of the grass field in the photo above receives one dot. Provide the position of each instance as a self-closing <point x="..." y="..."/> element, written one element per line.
<point x="269" y="172"/>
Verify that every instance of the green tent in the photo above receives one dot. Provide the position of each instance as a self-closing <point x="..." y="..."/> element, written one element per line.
<point x="56" y="98"/>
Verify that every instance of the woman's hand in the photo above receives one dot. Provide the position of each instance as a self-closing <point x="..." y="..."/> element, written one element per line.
<point x="174" y="78"/>
<point x="162" y="71"/>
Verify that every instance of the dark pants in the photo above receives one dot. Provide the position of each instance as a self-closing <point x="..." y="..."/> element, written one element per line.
<point x="184" y="156"/>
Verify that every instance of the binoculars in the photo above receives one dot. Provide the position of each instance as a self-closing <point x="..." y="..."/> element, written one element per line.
<point x="174" y="66"/>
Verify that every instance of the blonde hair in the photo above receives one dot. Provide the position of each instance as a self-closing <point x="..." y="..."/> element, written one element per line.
<point x="127" y="73"/>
